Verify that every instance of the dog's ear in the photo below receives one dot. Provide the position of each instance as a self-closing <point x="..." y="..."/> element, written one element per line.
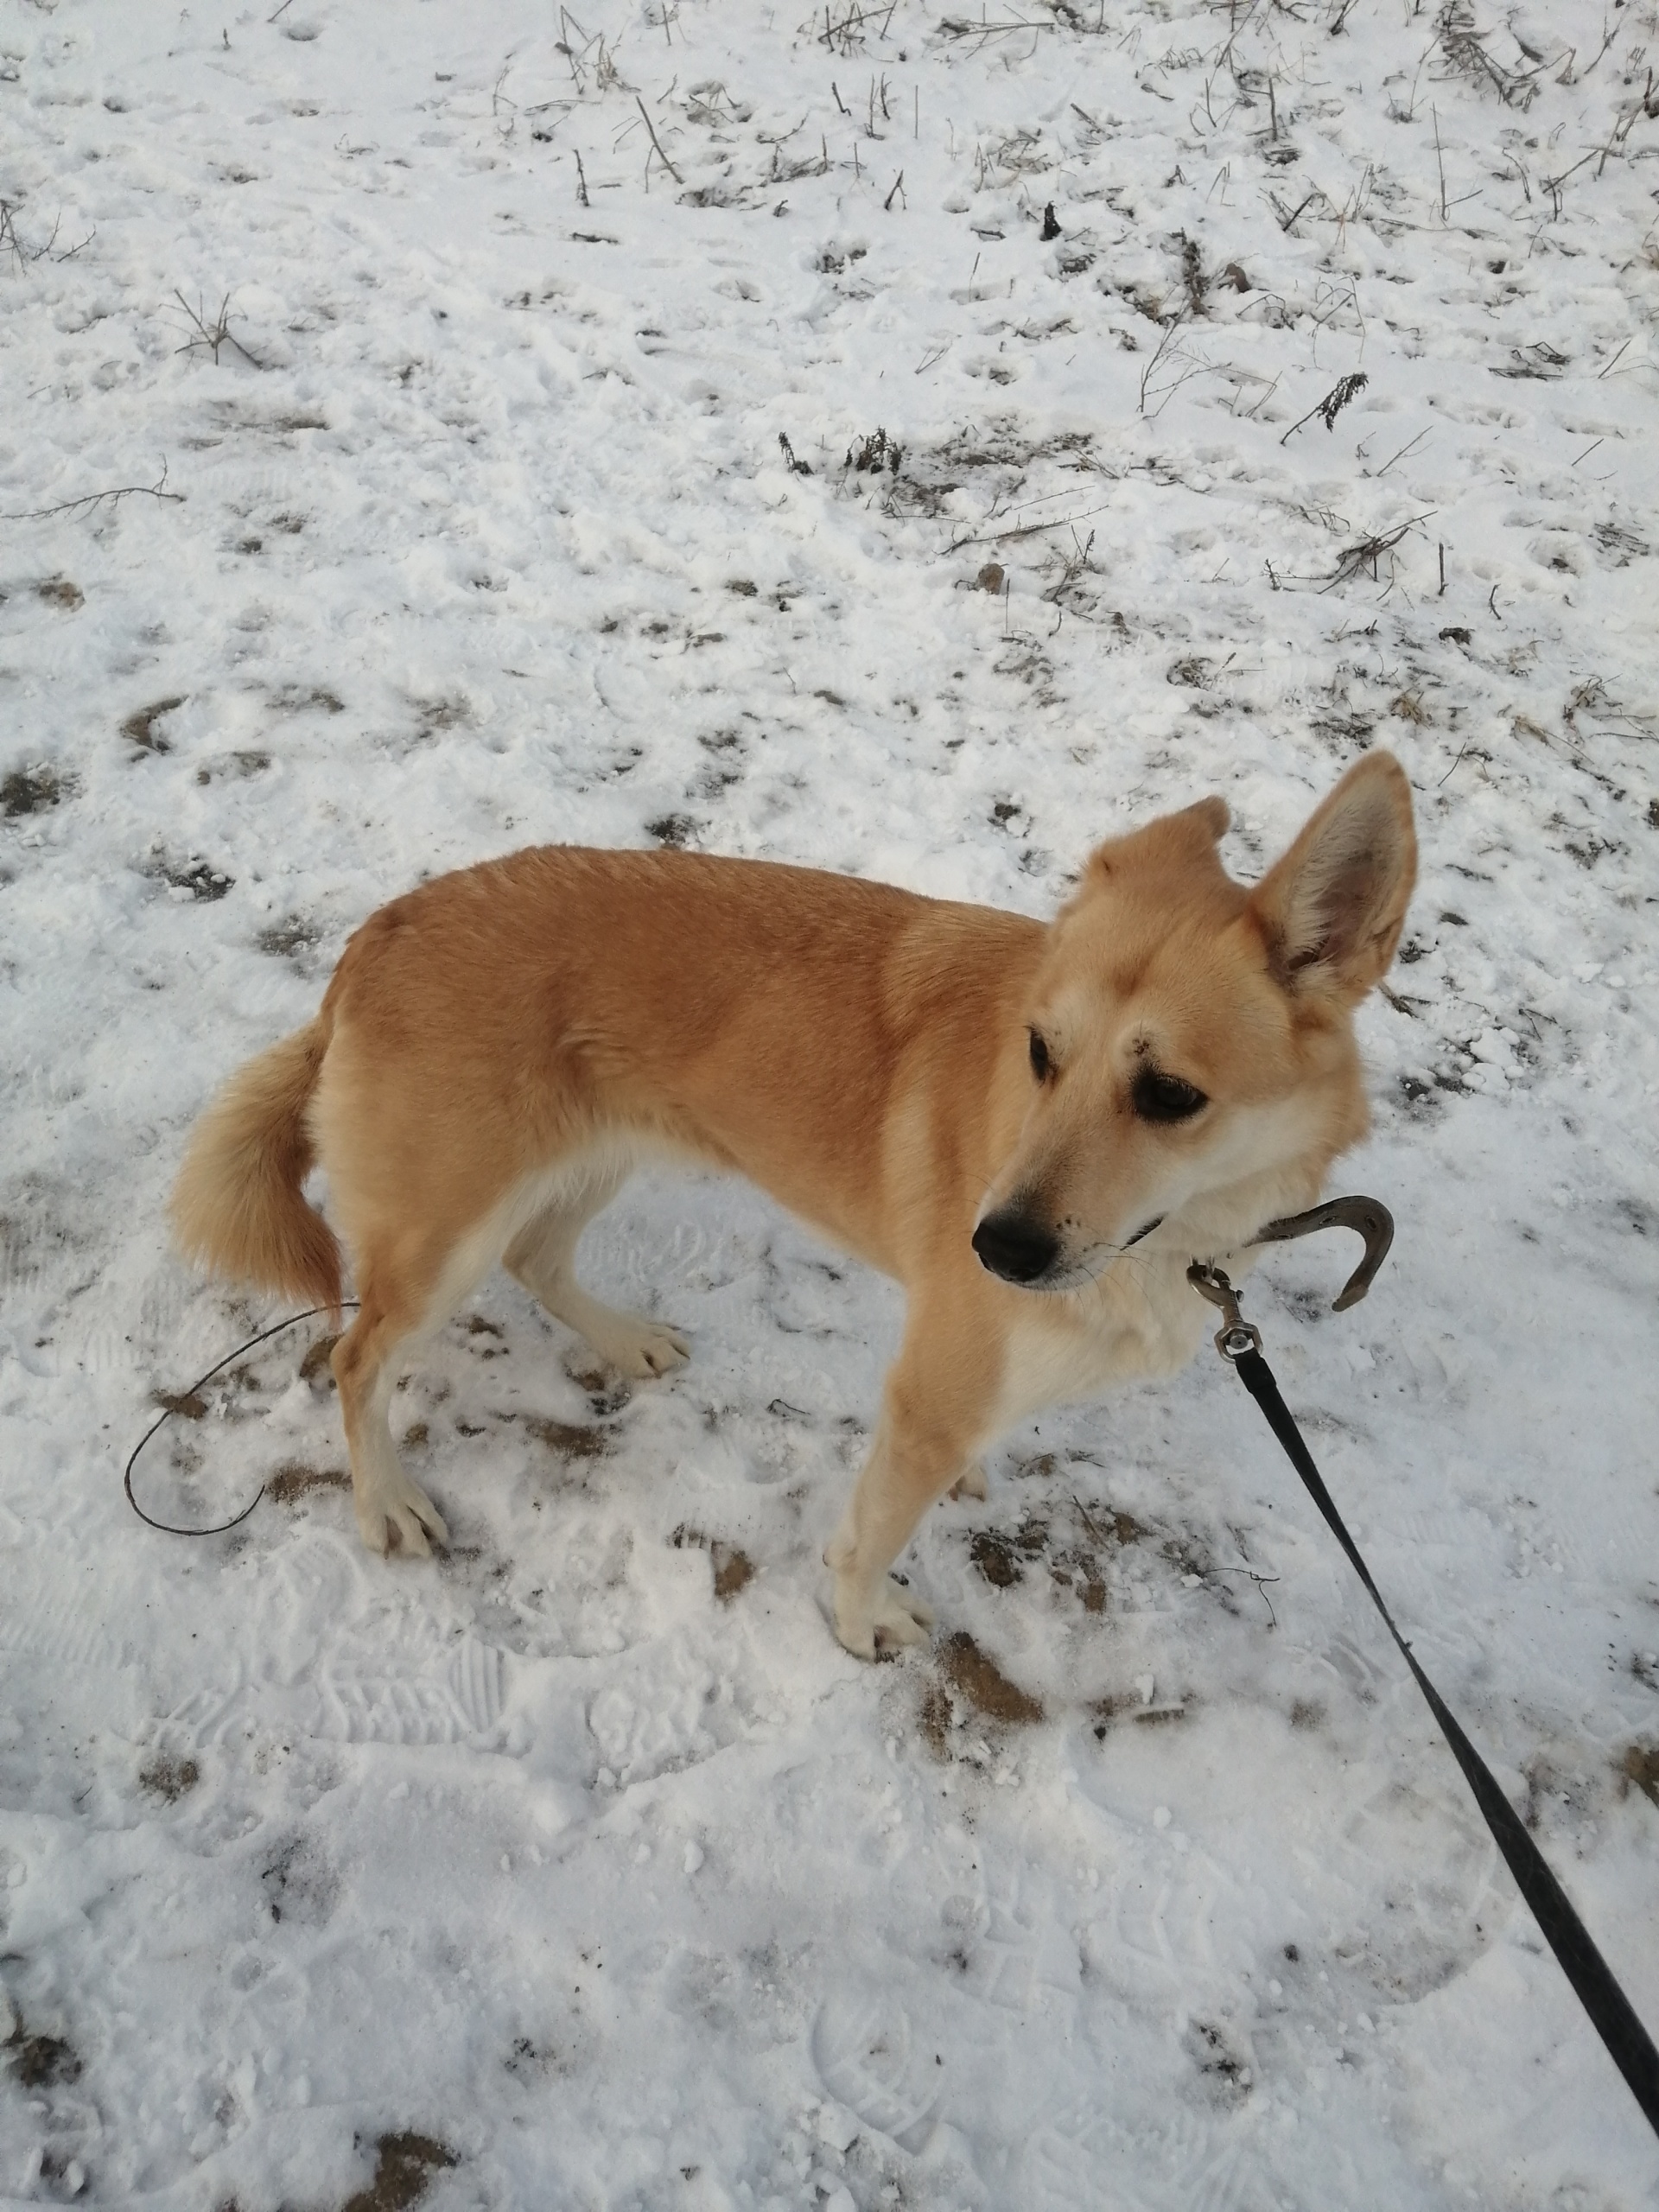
<point x="1330" y="911"/>
<point x="1209" y="819"/>
<point x="1193" y="833"/>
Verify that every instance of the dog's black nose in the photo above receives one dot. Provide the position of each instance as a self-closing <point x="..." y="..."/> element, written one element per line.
<point x="1014" y="1246"/>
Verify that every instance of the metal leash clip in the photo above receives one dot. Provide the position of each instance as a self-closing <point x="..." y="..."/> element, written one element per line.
<point x="1236" y="1336"/>
<point x="1368" y="1217"/>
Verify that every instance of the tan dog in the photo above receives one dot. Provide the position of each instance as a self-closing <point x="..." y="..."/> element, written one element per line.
<point x="993" y="1111"/>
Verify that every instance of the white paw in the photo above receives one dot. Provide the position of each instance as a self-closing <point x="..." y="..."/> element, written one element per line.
<point x="971" y="1482"/>
<point x="404" y="1520"/>
<point x="644" y="1349"/>
<point x="893" y="1617"/>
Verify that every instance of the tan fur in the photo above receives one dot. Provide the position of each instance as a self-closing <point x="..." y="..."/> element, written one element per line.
<point x="496" y="1050"/>
<point x="237" y="1205"/>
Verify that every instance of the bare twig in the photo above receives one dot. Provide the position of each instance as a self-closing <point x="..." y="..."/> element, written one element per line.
<point x="1288" y="222"/>
<point x="1036" y="529"/>
<point x="1607" y="39"/>
<point x="1370" y="550"/>
<point x="959" y="26"/>
<point x="1166" y="343"/>
<point x="657" y="142"/>
<point x="210" y="336"/>
<point x="1440" y="159"/>
<point x="1260" y="1580"/>
<point x="1072" y="565"/>
<point x="1465" y="49"/>
<point x="11" y="243"/>
<point x="1552" y="184"/>
<point x="499" y="102"/>
<point x="1456" y="765"/>
<point x="89" y="500"/>
<point x="1403" y="451"/>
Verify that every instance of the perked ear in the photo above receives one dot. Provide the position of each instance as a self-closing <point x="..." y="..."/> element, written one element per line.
<point x="1211" y="818"/>
<point x="1193" y="833"/>
<point x="1330" y="911"/>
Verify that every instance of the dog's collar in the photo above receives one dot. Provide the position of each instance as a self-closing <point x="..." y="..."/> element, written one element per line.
<point x="1370" y="1218"/>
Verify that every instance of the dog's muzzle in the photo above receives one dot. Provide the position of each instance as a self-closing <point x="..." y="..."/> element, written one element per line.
<point x="1016" y="1248"/>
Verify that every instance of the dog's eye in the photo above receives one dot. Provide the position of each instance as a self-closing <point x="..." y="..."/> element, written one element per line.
<point x="1041" y="1066"/>
<point x="1165" y="1097"/>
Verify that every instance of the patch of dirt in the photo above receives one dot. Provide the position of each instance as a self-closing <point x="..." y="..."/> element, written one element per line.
<point x="1212" y="2052"/>
<point x="314" y="1366"/>
<point x="300" y="1888"/>
<point x="1640" y="1764"/>
<point x="1078" y="1542"/>
<point x="32" y="790"/>
<point x="571" y="1440"/>
<point x="935" y="1718"/>
<point x="404" y="2163"/>
<point x="997" y="1553"/>
<point x="437" y="714"/>
<point x="303" y="698"/>
<point x="169" y="1778"/>
<point x="733" y="1571"/>
<point x="58" y="591"/>
<point x="291" y="935"/>
<point x="294" y="1479"/>
<point x="42" y="2061"/>
<point x="1106" y="1710"/>
<point x="205" y="882"/>
<point x="987" y="1688"/>
<point x="140" y="727"/>
<point x="734" y="1568"/>
<point x="1124" y="1527"/>
<point x="188" y="1405"/>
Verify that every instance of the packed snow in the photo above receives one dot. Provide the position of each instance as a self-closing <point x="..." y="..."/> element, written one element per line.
<point x="429" y="430"/>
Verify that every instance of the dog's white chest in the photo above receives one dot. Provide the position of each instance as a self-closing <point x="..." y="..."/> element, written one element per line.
<point x="1069" y="1347"/>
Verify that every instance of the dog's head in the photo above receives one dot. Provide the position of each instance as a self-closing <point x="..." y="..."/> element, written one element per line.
<point x="1187" y="1035"/>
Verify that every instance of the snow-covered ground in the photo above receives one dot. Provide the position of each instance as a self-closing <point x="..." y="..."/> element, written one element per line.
<point x="581" y="1868"/>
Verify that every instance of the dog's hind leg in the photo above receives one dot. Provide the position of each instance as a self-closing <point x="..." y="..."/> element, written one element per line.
<point x="542" y="1256"/>
<point x="391" y="1509"/>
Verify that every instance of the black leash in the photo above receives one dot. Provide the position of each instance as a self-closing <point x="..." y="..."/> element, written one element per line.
<point x="219" y="1527"/>
<point x="1611" y="2013"/>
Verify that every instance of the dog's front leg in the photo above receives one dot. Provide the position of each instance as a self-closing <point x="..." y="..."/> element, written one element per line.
<point x="934" y="1411"/>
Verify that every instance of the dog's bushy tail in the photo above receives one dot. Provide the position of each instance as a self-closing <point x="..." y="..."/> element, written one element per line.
<point x="238" y="1203"/>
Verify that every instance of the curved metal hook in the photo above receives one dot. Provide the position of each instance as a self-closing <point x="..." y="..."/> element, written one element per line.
<point x="1368" y="1217"/>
